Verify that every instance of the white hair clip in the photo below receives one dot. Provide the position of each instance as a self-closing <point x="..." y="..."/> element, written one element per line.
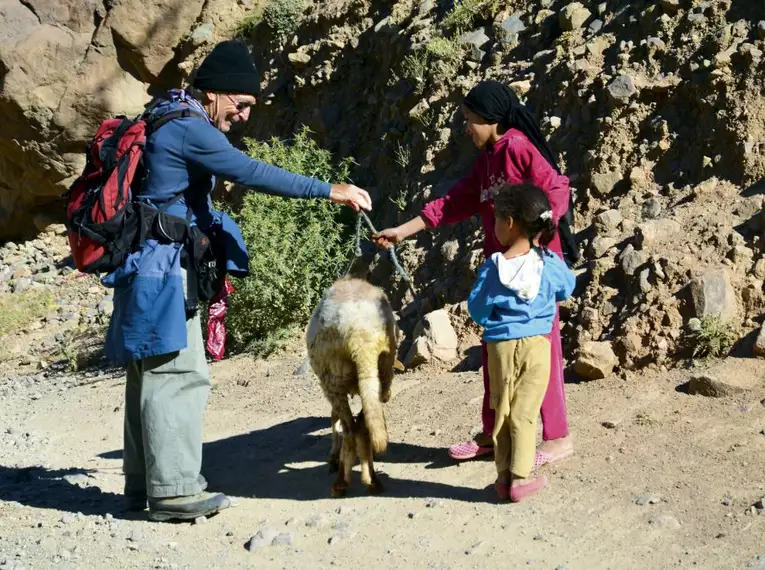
<point x="546" y="215"/>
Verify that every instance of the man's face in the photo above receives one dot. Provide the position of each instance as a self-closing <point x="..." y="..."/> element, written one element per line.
<point x="230" y="109"/>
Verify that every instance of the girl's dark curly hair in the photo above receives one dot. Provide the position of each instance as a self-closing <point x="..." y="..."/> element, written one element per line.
<point x="529" y="207"/>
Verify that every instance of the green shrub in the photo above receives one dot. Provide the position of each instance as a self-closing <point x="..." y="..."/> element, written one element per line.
<point x="247" y="26"/>
<point x="415" y="68"/>
<point x="21" y="310"/>
<point x="710" y="337"/>
<point x="297" y="247"/>
<point x="283" y="16"/>
<point x="464" y="14"/>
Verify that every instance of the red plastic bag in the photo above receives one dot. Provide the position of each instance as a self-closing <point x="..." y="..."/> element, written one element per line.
<point x="216" y="321"/>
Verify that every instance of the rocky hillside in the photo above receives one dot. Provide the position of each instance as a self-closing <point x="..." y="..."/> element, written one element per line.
<point x="656" y="109"/>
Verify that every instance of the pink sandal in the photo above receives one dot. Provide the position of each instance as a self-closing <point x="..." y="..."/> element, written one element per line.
<point x="468" y="450"/>
<point x="543" y="458"/>
<point x="522" y="492"/>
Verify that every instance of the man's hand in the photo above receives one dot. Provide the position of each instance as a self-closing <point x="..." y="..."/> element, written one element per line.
<point x="350" y="195"/>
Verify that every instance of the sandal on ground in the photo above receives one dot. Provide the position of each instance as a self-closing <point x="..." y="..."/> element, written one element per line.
<point x="468" y="450"/>
<point x="543" y="458"/>
<point x="520" y="493"/>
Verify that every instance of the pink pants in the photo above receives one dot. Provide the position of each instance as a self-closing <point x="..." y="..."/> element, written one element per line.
<point x="554" y="422"/>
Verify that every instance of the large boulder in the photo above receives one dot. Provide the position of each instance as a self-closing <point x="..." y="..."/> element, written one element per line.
<point x="435" y="340"/>
<point x="64" y="67"/>
<point x="596" y="360"/>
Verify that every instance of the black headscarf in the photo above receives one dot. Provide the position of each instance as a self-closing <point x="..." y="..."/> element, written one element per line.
<point x="497" y="103"/>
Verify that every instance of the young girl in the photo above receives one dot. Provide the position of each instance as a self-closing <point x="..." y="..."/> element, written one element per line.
<point x="514" y="300"/>
<point x="514" y="150"/>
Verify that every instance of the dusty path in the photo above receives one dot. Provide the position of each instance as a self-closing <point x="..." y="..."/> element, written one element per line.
<point x="699" y="459"/>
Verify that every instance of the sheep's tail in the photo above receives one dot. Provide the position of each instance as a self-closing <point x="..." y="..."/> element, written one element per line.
<point x="369" y="391"/>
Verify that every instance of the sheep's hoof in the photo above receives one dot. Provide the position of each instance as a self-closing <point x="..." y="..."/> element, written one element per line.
<point x="338" y="490"/>
<point x="334" y="465"/>
<point x="375" y="487"/>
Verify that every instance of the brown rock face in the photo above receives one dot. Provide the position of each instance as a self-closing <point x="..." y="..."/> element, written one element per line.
<point x="64" y="67"/>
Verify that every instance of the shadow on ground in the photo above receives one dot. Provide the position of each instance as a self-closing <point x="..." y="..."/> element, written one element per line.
<point x="288" y="461"/>
<point x="59" y="489"/>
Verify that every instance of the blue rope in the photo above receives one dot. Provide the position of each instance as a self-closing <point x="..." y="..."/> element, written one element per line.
<point x="391" y="250"/>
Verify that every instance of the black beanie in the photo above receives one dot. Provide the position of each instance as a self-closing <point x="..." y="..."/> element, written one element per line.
<point x="228" y="68"/>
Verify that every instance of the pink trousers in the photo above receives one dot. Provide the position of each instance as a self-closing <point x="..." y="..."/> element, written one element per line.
<point x="554" y="422"/>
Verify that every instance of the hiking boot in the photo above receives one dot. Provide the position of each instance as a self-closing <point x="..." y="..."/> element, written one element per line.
<point x="187" y="508"/>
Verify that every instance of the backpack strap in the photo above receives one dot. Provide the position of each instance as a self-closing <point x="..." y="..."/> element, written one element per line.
<point x="154" y="124"/>
<point x="108" y="152"/>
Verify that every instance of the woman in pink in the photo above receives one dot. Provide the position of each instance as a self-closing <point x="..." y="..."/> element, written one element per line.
<point x="514" y="151"/>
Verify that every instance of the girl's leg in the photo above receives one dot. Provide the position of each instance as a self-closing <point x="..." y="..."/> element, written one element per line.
<point x="556" y="444"/>
<point x="487" y="414"/>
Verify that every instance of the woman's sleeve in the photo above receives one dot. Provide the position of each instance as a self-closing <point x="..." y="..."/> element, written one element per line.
<point x="539" y="172"/>
<point x="206" y="147"/>
<point x="461" y="202"/>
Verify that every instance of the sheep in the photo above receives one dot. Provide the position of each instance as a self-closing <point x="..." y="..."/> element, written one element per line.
<point x="352" y="342"/>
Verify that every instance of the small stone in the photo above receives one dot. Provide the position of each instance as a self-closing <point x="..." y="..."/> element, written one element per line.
<point x="262" y="538"/>
<point x="622" y="89"/>
<point x="434" y="503"/>
<point x="632" y="260"/>
<point x="573" y="16"/>
<point x="200" y="520"/>
<point x="68" y="518"/>
<point x="596" y="26"/>
<point x="304" y="369"/>
<point x="611" y="424"/>
<point x="648" y="499"/>
<point x="412" y="515"/>
<point x="202" y="34"/>
<point x="656" y="44"/>
<point x="511" y="29"/>
<point x="713" y="295"/>
<point x="727" y="501"/>
<point x="653" y="232"/>
<point x="282" y="539"/>
<point x="608" y="222"/>
<point x="651" y="209"/>
<point x="474" y="547"/>
<point x="759" y="344"/>
<point x="665" y="521"/>
<point x="761" y="30"/>
<point x="605" y="182"/>
<point x="299" y="58"/>
<point x="474" y="41"/>
<point x="717" y="382"/>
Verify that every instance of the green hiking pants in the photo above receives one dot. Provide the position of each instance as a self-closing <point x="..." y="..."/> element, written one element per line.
<point x="165" y="398"/>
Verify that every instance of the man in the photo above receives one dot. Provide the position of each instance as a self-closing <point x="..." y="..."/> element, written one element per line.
<point x="151" y="330"/>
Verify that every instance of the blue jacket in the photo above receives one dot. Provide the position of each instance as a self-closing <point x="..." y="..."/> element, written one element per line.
<point x="184" y="155"/>
<point x="516" y="298"/>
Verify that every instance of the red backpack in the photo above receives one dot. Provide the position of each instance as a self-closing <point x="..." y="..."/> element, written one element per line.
<point x="103" y="221"/>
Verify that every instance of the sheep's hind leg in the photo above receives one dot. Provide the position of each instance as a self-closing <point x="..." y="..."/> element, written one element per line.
<point x="337" y="442"/>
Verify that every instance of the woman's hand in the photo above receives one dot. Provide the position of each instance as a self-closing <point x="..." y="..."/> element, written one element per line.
<point x="350" y="195"/>
<point x="388" y="238"/>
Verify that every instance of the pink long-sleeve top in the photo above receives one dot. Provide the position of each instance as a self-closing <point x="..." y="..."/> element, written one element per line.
<point x="513" y="159"/>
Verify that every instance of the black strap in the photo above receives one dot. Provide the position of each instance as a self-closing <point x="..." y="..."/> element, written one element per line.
<point x="108" y="151"/>
<point x="154" y="124"/>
